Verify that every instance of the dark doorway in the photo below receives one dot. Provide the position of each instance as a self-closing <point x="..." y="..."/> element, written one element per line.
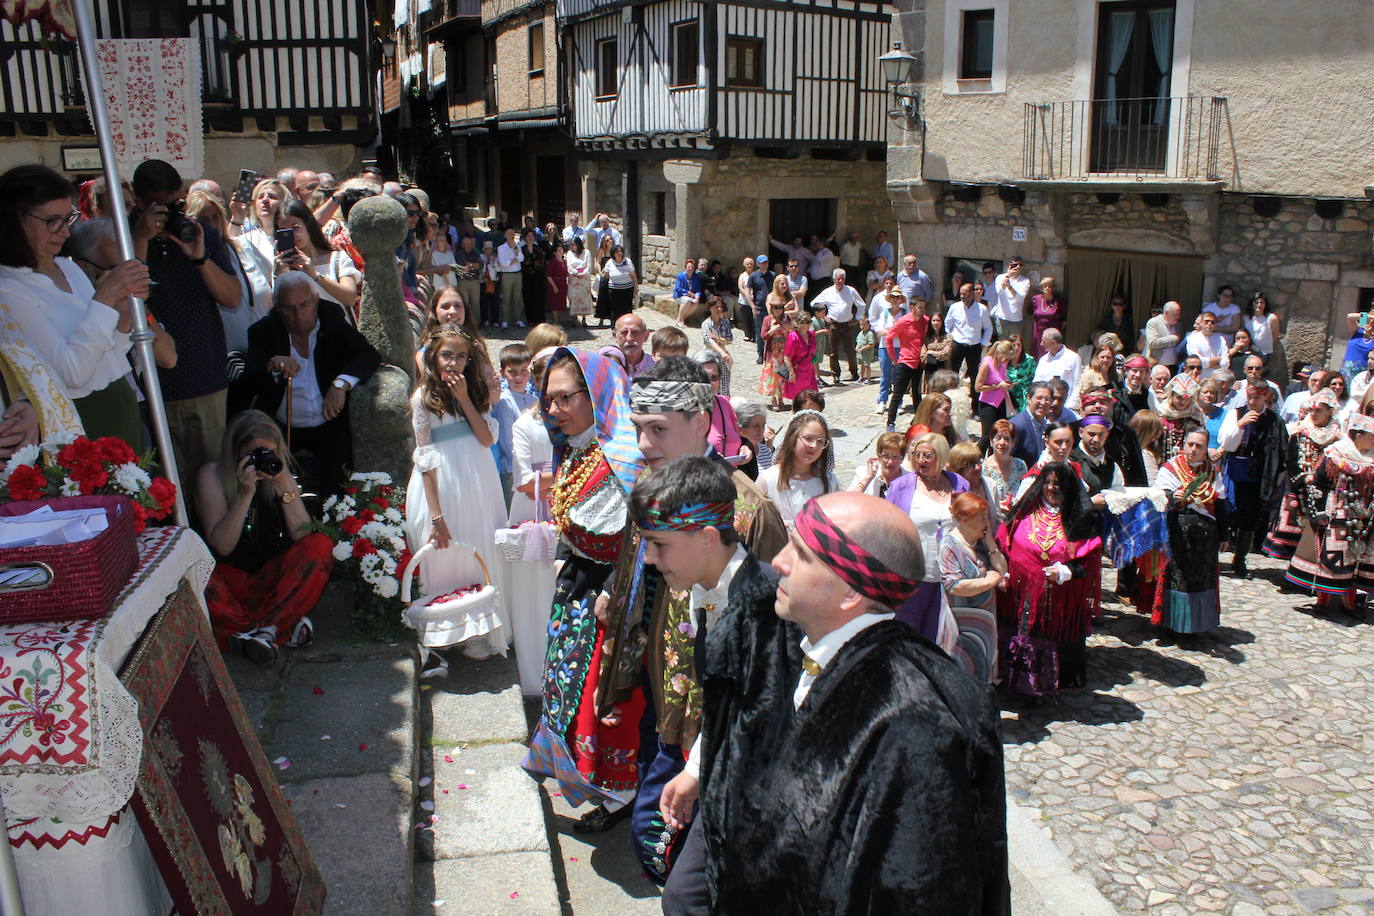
<point x="512" y="185"/>
<point x="549" y="182"/>
<point x="804" y="216"/>
<point x="1130" y="116"/>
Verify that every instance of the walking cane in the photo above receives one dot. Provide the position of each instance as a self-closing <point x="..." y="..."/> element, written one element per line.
<point x="290" y="382"/>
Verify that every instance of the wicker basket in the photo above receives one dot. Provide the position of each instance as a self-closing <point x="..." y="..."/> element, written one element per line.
<point x="429" y="608"/>
<point x="83" y="579"/>
<point x="530" y="542"/>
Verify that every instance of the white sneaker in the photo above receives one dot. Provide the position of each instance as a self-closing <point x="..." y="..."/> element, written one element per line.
<point x="505" y="324"/>
<point x="477" y="649"/>
<point x="520" y="324"/>
<point x="880" y="409"/>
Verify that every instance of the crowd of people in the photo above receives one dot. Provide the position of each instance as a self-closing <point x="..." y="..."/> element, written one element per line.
<point x="710" y="568"/>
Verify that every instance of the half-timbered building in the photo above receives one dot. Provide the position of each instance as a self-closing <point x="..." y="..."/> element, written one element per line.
<point x="286" y="82"/>
<point x="704" y="127"/>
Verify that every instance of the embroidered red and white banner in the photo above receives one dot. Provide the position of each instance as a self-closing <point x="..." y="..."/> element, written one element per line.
<point x="152" y="86"/>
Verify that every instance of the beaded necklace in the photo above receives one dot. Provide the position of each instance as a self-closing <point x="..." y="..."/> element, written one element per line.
<point x="1046" y="530"/>
<point x="567" y="488"/>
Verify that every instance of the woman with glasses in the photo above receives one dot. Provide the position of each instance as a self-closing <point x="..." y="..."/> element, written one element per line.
<point x="799" y="474"/>
<point x="596" y="462"/>
<point x="878" y="473"/>
<point x="79" y="329"/>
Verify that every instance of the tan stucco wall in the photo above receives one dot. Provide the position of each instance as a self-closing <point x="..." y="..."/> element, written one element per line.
<point x="516" y="89"/>
<point x="224" y="155"/>
<point x="1298" y="79"/>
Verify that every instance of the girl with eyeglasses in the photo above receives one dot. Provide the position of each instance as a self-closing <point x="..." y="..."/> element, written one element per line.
<point x="455" y="494"/>
<point x="799" y="474"/>
<point x="81" y="330"/>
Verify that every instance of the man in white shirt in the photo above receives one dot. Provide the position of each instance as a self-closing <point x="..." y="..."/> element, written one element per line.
<point x="883" y="311"/>
<point x="573" y="230"/>
<point x="303" y="360"/>
<point x="1057" y="360"/>
<point x="601" y="227"/>
<point x="1163" y="334"/>
<point x="1229" y="316"/>
<point x="1207" y="345"/>
<point x="824" y="263"/>
<point x="1009" y="308"/>
<point x="852" y="255"/>
<point x="970" y="325"/>
<point x="1295" y="402"/>
<point x="509" y="257"/>
<point x="843" y="305"/>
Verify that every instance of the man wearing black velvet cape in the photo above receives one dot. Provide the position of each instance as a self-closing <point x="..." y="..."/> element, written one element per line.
<point x="873" y="785"/>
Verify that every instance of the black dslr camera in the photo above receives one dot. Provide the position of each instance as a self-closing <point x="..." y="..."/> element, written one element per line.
<point x="266" y="461"/>
<point x="181" y="225"/>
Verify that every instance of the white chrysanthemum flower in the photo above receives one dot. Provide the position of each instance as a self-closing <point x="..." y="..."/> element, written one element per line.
<point x="387" y="588"/>
<point x="25" y="454"/>
<point x="330" y="503"/>
<point x="342" y="551"/>
<point x="59" y="441"/>
<point x="394" y="516"/>
<point x="70" y="487"/>
<point x="132" y="479"/>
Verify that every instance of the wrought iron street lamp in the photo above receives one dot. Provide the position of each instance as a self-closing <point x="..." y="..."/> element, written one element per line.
<point x="899" y="69"/>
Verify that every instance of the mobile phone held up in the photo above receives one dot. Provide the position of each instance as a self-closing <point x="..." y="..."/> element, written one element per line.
<point x="248" y="180"/>
<point x="286" y="240"/>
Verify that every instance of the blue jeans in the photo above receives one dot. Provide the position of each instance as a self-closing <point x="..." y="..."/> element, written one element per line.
<point x="885" y="363"/>
<point x="759" y="315"/>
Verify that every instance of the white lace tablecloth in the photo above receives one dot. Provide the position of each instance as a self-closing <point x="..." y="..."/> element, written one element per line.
<point x="70" y="739"/>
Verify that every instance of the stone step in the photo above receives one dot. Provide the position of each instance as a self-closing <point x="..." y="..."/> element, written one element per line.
<point x="352" y="792"/>
<point x="488" y="846"/>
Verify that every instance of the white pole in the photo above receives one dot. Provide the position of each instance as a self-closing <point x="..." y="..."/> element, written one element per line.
<point x="142" y="335"/>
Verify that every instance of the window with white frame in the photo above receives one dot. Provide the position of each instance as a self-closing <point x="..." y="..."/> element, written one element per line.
<point x="975" y="46"/>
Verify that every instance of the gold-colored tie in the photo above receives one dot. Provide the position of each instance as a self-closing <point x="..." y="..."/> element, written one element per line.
<point x="810" y="667"/>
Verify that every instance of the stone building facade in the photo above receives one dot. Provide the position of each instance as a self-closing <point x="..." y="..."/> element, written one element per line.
<point x="1229" y="158"/>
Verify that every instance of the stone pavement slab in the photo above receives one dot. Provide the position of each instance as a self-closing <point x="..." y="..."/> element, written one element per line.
<point x="486" y="803"/>
<point x="366" y="707"/>
<point x="516" y="883"/>
<point x="479" y="702"/>
<point x="358" y="829"/>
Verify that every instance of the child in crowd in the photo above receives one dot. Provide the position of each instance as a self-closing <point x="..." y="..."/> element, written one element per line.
<point x="866" y="346"/>
<point x="821" y="328"/>
<point x="813" y="400"/>
<point x="516" y="396"/>
<point x="668" y="341"/>
<point x="798" y="474"/>
<point x="454" y="493"/>
<point x="718" y="334"/>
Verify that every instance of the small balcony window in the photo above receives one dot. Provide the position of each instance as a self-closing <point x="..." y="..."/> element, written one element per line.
<point x="536" y="48"/>
<point x="607" y="58"/>
<point x="744" y="62"/>
<point x="975" y="58"/>
<point x="686" y="45"/>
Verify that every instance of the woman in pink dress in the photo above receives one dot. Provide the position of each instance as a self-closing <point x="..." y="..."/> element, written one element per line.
<point x="1049" y="310"/>
<point x="799" y="350"/>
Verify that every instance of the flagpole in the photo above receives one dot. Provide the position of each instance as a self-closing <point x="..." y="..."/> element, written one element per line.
<point x="142" y="335"/>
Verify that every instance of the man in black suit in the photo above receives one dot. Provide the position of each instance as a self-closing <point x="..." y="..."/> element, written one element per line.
<point x="311" y="349"/>
<point x="1030" y="423"/>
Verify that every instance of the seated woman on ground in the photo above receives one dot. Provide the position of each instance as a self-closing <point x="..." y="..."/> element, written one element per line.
<point x="272" y="570"/>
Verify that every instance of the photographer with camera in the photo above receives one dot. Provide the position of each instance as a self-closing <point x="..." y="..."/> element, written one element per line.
<point x="194" y="276"/>
<point x="303" y="359"/>
<point x="271" y="570"/>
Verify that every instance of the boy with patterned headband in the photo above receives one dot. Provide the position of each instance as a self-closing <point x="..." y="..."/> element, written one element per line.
<point x="647" y="621"/>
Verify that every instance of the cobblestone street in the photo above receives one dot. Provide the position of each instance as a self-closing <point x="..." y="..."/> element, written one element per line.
<point x="1226" y="772"/>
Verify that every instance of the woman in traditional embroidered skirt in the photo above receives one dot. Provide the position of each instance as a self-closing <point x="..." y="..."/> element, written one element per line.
<point x="1335" y="555"/>
<point x="596" y="461"/>
<point x="1308" y="439"/>
<point x="1186" y="594"/>
<point x="1047" y="603"/>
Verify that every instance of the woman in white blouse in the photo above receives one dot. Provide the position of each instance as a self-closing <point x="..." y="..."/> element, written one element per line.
<point x="82" y="331"/>
<point x="621" y="282"/>
<point x="799" y="474"/>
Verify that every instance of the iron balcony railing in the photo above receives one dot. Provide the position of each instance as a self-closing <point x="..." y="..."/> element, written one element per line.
<point x="1175" y="138"/>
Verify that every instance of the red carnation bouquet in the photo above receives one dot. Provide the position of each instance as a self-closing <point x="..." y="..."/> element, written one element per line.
<point x="100" y="467"/>
<point x="367" y="525"/>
